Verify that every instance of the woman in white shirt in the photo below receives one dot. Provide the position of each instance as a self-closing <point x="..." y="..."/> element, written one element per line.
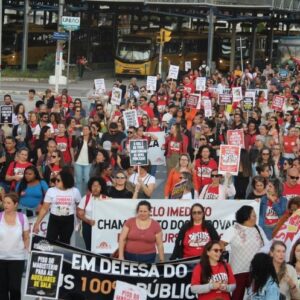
<point x="97" y="191"/>
<point x="14" y="241"/>
<point x="62" y="200"/>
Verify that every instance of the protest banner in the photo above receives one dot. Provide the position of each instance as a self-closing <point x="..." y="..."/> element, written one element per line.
<point x="126" y="291"/>
<point x="278" y="102"/>
<point x="151" y="83"/>
<point x="138" y="152"/>
<point x="187" y="65"/>
<point x="93" y="277"/>
<point x="207" y="108"/>
<point x="237" y="95"/>
<point x="116" y="96"/>
<point x="156" y="154"/>
<point x="289" y="232"/>
<point x="192" y="100"/>
<point x="99" y="85"/>
<point x="6" y="114"/>
<point x="130" y="118"/>
<point x="236" y="137"/>
<point x="229" y="161"/>
<point x="173" y="72"/>
<point x="170" y="214"/>
<point x="43" y="275"/>
<point x="178" y="190"/>
<point x="201" y="84"/>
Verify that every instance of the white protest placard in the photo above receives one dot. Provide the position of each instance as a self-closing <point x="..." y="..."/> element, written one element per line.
<point x="151" y="83"/>
<point x="237" y="95"/>
<point x="201" y="84"/>
<point x="126" y="291"/>
<point x="229" y="161"/>
<point x="156" y="154"/>
<point x="187" y="65"/>
<point x="116" y="96"/>
<point x="99" y="85"/>
<point x="173" y="72"/>
<point x="207" y="108"/>
<point x="130" y="118"/>
<point x="170" y="214"/>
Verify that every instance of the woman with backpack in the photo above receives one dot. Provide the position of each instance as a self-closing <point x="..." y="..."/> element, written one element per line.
<point x="97" y="191"/>
<point x="14" y="243"/>
<point x="212" y="278"/>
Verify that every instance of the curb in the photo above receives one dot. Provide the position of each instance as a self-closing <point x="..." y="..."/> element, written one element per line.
<point x="26" y="79"/>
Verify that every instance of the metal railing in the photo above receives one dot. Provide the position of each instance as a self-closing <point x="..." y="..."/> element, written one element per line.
<point x="285" y="5"/>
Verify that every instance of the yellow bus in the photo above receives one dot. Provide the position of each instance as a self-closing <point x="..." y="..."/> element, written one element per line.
<point x="138" y="53"/>
<point x="40" y="44"/>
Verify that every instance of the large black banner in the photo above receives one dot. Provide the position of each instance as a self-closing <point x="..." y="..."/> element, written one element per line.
<point x="92" y="277"/>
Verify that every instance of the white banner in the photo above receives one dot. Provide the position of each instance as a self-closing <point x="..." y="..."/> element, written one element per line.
<point x="156" y="154"/>
<point x="99" y="85"/>
<point x="171" y="214"/>
<point x="130" y="118"/>
<point x="201" y="84"/>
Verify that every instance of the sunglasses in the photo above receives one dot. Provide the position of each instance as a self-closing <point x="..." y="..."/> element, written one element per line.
<point x="294" y="177"/>
<point x="77" y="110"/>
<point x="202" y="139"/>
<point x="57" y="180"/>
<point x="265" y="153"/>
<point x="217" y="250"/>
<point x="130" y="132"/>
<point x="54" y="156"/>
<point x="120" y="177"/>
<point x="197" y="212"/>
<point x="215" y="175"/>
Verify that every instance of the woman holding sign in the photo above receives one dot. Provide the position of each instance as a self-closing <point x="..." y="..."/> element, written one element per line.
<point x="212" y="278"/>
<point x="140" y="237"/>
<point x="14" y="240"/>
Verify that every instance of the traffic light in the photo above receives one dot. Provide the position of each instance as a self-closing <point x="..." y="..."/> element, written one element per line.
<point x="165" y="35"/>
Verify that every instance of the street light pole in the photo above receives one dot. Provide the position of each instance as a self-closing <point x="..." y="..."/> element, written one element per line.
<point x="1" y="10"/>
<point x="25" y="35"/>
<point x="211" y="29"/>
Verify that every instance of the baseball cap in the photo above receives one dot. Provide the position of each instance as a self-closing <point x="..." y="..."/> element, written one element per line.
<point x="107" y="145"/>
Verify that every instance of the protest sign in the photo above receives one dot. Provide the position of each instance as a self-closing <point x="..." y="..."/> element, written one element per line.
<point x="192" y="100"/>
<point x="6" y="114"/>
<point x="116" y="96"/>
<point x="236" y="137"/>
<point x="170" y="214"/>
<point x="138" y="152"/>
<point x="130" y="118"/>
<point x="237" y="95"/>
<point x="201" y="84"/>
<point x="99" y="85"/>
<point x="178" y="190"/>
<point x="93" y="277"/>
<point x="126" y="291"/>
<point x="289" y="231"/>
<point x="42" y="276"/>
<point x="151" y="83"/>
<point x="278" y="102"/>
<point x="207" y="108"/>
<point x="225" y="99"/>
<point x="229" y="159"/>
<point x="248" y="104"/>
<point x="156" y="154"/>
<point x="187" y="65"/>
<point x="173" y="72"/>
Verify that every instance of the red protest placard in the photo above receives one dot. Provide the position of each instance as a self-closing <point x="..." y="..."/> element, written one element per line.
<point x="229" y="159"/>
<point x="277" y="102"/>
<point x="236" y="137"/>
<point x="192" y="100"/>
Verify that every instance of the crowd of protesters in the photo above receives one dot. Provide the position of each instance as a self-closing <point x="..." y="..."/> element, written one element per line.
<point x="60" y="155"/>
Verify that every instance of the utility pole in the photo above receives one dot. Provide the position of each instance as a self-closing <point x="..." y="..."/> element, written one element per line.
<point x="211" y="28"/>
<point x="25" y="35"/>
<point x="1" y="21"/>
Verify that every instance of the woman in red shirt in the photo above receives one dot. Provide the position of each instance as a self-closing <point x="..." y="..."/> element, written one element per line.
<point x="141" y="236"/>
<point x="176" y="144"/>
<point x="290" y="143"/>
<point x="204" y="165"/>
<point x="194" y="235"/>
<point x="212" y="278"/>
<point x="64" y="144"/>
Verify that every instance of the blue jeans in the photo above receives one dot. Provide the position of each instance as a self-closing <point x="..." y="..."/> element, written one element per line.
<point x="82" y="175"/>
<point x="141" y="258"/>
<point x="153" y="170"/>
